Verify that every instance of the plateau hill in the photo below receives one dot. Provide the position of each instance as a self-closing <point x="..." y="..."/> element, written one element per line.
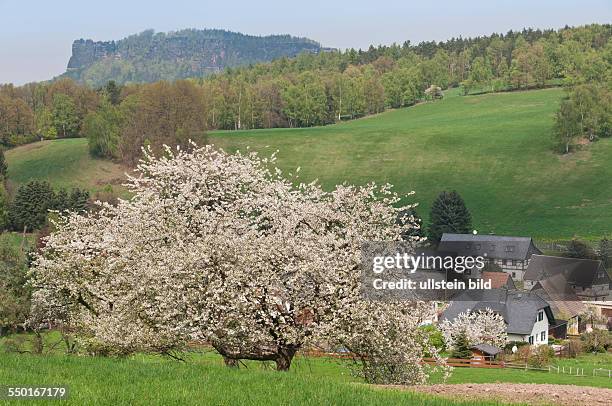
<point x="151" y="56"/>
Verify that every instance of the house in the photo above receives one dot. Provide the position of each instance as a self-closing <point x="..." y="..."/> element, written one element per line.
<point x="587" y="277"/>
<point x="564" y="303"/>
<point x="498" y="280"/>
<point x="526" y="314"/>
<point x="602" y="310"/>
<point x="511" y="254"/>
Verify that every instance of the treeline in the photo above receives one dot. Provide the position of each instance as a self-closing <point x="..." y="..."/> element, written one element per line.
<point x="44" y="111"/>
<point x="308" y="90"/>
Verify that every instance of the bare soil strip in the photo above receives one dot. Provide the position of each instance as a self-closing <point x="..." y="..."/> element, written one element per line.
<point x="531" y="394"/>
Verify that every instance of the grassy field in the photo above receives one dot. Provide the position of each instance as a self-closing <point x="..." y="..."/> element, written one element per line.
<point x="203" y="379"/>
<point x="63" y="163"/>
<point x="494" y="149"/>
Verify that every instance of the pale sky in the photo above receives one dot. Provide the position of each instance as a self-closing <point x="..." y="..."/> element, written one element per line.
<point x="36" y="36"/>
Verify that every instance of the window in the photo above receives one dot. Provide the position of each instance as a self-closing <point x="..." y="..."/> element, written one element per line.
<point x="540" y="315"/>
<point x="509" y="248"/>
<point x="506" y="262"/>
<point x="514" y="262"/>
<point x="543" y="336"/>
<point x="477" y="246"/>
<point x="530" y="339"/>
<point x="492" y="247"/>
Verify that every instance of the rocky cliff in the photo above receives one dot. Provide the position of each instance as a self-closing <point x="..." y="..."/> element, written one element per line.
<point x="151" y="56"/>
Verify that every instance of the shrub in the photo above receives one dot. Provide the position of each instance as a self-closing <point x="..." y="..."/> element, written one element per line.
<point x="14" y="295"/>
<point x="540" y="356"/>
<point x="436" y="339"/>
<point x="574" y="348"/>
<point x="596" y="341"/>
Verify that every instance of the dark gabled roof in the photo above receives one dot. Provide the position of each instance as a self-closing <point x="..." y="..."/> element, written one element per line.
<point x="561" y="297"/>
<point x="518" y="308"/>
<point x="486" y="348"/>
<point x="580" y="272"/>
<point x="491" y="246"/>
<point x="522" y="310"/>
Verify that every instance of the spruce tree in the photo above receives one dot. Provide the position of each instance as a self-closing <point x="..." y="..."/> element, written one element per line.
<point x="31" y="205"/>
<point x="462" y="347"/>
<point x="448" y="215"/>
<point x="79" y="200"/>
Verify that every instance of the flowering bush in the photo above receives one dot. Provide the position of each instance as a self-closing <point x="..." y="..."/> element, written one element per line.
<point x="221" y="248"/>
<point x="479" y="327"/>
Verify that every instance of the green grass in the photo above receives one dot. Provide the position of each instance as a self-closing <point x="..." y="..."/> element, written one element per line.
<point x="16" y="240"/>
<point x="201" y="380"/>
<point x="63" y="163"/>
<point x="494" y="149"/>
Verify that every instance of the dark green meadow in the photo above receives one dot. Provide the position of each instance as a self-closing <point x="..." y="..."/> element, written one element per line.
<point x="496" y="150"/>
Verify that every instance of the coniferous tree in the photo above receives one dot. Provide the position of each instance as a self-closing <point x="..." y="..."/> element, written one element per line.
<point x="462" y="347"/>
<point x="449" y="214"/>
<point x="32" y="202"/>
<point x="78" y="200"/>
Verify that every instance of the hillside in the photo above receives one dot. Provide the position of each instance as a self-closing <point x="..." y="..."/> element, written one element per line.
<point x="150" y="56"/>
<point x="63" y="163"/>
<point x="494" y="149"/>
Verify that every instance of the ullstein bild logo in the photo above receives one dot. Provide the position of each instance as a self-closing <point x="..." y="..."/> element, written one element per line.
<point x="398" y="271"/>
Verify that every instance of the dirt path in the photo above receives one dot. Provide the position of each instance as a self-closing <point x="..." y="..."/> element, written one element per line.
<point x="527" y="393"/>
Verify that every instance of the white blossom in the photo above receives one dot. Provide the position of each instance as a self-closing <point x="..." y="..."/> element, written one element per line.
<point x="484" y="326"/>
<point x="221" y="248"/>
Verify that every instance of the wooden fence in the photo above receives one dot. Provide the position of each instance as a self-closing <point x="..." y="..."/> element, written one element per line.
<point x="453" y="362"/>
<point x="478" y="363"/>
<point x="470" y="363"/>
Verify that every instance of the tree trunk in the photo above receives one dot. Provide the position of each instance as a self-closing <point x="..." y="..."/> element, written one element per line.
<point x="281" y="355"/>
<point x="285" y="356"/>
<point x="230" y="362"/>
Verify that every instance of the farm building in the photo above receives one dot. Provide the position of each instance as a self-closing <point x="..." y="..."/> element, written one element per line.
<point x="587" y="277"/>
<point x="498" y="280"/>
<point x="484" y="352"/>
<point x="511" y="254"/>
<point x="564" y="303"/>
<point x="526" y="314"/>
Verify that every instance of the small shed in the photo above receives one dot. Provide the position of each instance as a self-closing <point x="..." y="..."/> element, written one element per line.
<point x="485" y="352"/>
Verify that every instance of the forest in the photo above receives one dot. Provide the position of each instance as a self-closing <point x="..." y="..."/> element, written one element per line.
<point x="316" y="89"/>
